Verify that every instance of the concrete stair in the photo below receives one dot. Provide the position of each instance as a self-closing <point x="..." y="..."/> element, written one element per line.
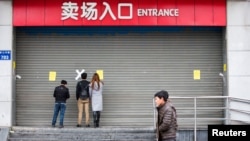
<point x="81" y="134"/>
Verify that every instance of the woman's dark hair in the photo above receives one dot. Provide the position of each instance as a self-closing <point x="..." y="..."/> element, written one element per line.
<point x="162" y="94"/>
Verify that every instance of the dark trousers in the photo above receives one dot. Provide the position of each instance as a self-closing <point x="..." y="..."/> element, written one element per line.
<point x="172" y="139"/>
<point x="96" y="117"/>
<point x="59" y="107"/>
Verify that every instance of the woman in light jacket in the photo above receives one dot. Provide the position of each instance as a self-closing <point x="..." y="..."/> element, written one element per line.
<point x="95" y="90"/>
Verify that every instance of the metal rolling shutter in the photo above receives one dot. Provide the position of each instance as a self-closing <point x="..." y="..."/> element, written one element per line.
<point x="137" y="62"/>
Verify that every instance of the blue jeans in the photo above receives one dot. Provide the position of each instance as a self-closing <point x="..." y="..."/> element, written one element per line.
<point x="59" y="107"/>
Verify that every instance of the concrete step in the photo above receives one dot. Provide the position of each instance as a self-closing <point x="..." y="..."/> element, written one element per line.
<point x="81" y="134"/>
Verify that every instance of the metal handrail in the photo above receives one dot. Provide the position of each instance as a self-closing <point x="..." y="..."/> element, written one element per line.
<point x="227" y="109"/>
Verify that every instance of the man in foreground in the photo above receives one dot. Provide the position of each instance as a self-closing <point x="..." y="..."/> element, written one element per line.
<point x="167" y="118"/>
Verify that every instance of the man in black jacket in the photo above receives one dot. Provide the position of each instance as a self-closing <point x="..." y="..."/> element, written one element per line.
<point x="61" y="94"/>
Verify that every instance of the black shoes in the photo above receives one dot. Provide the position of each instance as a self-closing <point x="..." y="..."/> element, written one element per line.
<point x="61" y="126"/>
<point x="78" y="125"/>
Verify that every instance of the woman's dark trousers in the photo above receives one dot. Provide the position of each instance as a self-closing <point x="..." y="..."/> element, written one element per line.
<point x="96" y="117"/>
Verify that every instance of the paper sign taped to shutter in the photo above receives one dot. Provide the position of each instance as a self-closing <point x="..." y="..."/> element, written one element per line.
<point x="197" y="74"/>
<point x="225" y="67"/>
<point x="52" y="76"/>
<point x="100" y="73"/>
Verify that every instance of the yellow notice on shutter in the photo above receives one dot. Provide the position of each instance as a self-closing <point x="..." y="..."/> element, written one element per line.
<point x="52" y="76"/>
<point x="100" y="73"/>
<point x="225" y="67"/>
<point x="14" y="65"/>
<point x="197" y="74"/>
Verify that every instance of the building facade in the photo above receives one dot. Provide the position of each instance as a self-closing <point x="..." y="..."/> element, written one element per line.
<point x="188" y="47"/>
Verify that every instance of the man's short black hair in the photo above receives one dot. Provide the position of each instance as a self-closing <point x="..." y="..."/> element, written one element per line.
<point x="64" y="82"/>
<point x="162" y="94"/>
<point x="84" y="75"/>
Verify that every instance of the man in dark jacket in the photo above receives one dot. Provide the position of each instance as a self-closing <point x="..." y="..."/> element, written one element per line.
<point x="167" y="120"/>
<point x="61" y="94"/>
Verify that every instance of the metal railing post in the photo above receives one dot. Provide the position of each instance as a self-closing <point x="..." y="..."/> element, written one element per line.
<point x="154" y="116"/>
<point x="195" y="118"/>
<point x="227" y="110"/>
<point x="154" y="113"/>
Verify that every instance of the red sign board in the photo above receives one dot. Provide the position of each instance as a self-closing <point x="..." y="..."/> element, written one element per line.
<point x="119" y="12"/>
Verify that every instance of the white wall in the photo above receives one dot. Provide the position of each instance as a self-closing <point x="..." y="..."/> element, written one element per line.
<point x="238" y="51"/>
<point x="6" y="37"/>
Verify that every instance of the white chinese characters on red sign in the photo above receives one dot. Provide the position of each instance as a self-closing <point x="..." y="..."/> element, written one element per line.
<point x="89" y="11"/>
